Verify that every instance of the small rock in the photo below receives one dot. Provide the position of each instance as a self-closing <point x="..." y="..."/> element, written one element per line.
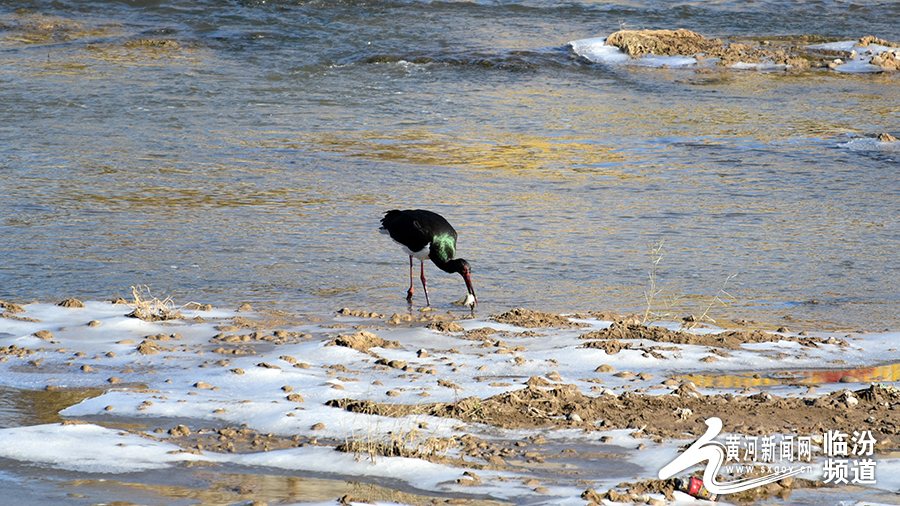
<point x="71" y="303"/>
<point x="11" y="307"/>
<point x="446" y="327"/>
<point x="537" y="381"/>
<point x="43" y="334"/>
<point x="605" y="368"/>
<point x="148" y="348"/>
<point x="472" y="475"/>
<point x="202" y="385"/>
<point x="180" y="430"/>
<point x="318" y="426"/>
<point x="683" y="413"/>
<point x="592" y="496"/>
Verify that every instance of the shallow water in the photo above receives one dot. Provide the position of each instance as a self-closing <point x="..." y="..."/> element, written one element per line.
<point x="21" y="407"/>
<point x="253" y="161"/>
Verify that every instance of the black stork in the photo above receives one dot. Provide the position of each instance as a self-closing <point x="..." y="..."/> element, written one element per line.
<point x="424" y="234"/>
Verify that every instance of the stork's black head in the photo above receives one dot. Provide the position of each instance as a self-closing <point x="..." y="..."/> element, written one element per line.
<point x="462" y="267"/>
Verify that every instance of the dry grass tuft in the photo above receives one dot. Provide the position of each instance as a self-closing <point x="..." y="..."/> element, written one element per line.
<point x="151" y="309"/>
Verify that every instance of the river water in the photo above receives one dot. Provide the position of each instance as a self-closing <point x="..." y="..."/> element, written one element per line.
<point x="251" y="158"/>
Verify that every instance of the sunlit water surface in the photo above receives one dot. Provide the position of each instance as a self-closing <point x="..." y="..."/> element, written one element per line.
<point x="253" y="161"/>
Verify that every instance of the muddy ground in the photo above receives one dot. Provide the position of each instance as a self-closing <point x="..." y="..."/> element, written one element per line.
<point x="548" y="403"/>
<point x="543" y="403"/>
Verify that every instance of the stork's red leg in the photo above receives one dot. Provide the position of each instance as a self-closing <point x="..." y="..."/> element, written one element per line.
<point x="409" y="293"/>
<point x="425" y="288"/>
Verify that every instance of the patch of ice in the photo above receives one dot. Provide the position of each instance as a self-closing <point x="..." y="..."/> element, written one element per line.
<point x="872" y="144"/>
<point x="88" y="448"/>
<point x="860" y="62"/>
<point x="598" y="51"/>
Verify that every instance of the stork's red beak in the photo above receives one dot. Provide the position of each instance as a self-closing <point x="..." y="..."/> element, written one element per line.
<point x="468" y="279"/>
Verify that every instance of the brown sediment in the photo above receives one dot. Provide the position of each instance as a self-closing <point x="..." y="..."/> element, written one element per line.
<point x="534" y="319"/>
<point x="870" y="39"/>
<point x="680" y="414"/>
<point x="731" y="339"/>
<point x="362" y="341"/>
<point x="636" y="43"/>
<point x="682" y="42"/>
<point x="790" y="52"/>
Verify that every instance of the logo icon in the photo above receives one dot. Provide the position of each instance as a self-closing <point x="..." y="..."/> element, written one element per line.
<point x="713" y="452"/>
